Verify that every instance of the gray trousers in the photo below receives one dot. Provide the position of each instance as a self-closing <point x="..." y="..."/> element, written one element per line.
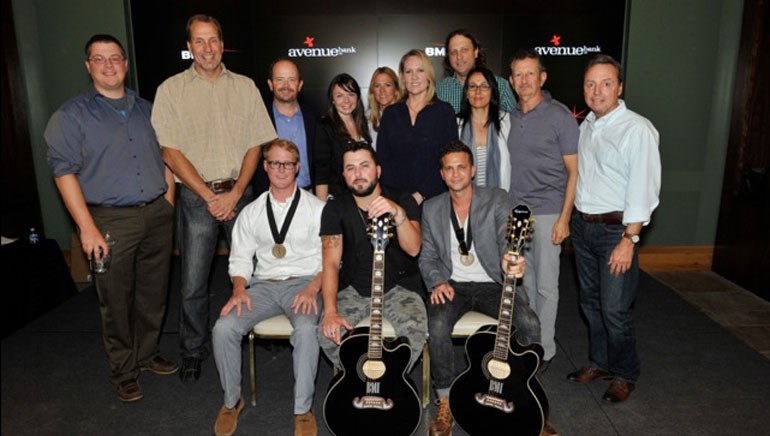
<point x="403" y="308"/>
<point x="541" y="281"/>
<point x="268" y="299"/>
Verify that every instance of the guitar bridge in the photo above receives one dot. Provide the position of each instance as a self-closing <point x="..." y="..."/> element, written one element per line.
<point x="493" y="401"/>
<point x="372" y="402"/>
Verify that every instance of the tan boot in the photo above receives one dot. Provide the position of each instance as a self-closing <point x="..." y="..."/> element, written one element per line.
<point x="227" y="420"/>
<point x="305" y="425"/>
<point x="443" y="422"/>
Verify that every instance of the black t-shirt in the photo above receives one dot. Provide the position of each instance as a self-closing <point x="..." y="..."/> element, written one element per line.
<point x="342" y="216"/>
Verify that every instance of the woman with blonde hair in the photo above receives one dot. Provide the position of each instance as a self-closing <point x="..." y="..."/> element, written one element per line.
<point x="383" y="91"/>
<point x="413" y="130"/>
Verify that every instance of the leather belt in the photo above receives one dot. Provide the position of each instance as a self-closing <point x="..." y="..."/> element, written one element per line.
<point x="221" y="185"/>
<point x="129" y="206"/>
<point x="607" y="218"/>
<point x="280" y="280"/>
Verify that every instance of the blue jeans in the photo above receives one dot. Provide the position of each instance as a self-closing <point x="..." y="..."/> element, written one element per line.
<point x="198" y="235"/>
<point x="607" y="300"/>
<point x="483" y="298"/>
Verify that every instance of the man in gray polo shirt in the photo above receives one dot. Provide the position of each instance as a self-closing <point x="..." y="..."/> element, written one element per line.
<point x="543" y="140"/>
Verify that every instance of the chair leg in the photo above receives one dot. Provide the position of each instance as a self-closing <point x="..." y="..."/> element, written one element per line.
<point x="425" y="376"/>
<point x="252" y="369"/>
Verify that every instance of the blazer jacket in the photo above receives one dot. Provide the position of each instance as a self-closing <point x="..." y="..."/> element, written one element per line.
<point x="490" y="209"/>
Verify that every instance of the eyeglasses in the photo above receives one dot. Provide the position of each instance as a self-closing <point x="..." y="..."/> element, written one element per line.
<point x="484" y="87"/>
<point x="101" y="60"/>
<point x="274" y="164"/>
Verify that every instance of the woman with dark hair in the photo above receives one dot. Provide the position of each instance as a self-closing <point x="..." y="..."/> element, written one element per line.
<point x="484" y="128"/>
<point x="413" y="130"/>
<point x="383" y="92"/>
<point x="343" y="123"/>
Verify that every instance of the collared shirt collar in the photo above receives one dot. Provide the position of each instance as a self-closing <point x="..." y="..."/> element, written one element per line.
<point x="92" y="93"/>
<point x="277" y="113"/>
<point x="547" y="98"/>
<point x="288" y="199"/>
<point x="192" y="74"/>
<point x="618" y="111"/>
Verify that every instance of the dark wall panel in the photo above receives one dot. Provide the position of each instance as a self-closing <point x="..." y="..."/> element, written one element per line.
<point x="357" y="37"/>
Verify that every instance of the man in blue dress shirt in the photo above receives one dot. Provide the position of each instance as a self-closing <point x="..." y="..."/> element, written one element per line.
<point x="108" y="168"/>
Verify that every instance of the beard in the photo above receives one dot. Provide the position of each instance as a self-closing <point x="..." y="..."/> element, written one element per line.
<point x="363" y="192"/>
<point x="291" y="99"/>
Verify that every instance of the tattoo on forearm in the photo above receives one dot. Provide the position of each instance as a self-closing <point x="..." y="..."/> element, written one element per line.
<point x="332" y="241"/>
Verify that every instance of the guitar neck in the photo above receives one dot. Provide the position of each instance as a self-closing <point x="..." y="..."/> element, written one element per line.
<point x="505" y="316"/>
<point x="375" y="316"/>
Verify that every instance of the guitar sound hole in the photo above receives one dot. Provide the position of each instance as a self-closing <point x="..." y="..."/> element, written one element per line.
<point x="360" y="367"/>
<point x="485" y="365"/>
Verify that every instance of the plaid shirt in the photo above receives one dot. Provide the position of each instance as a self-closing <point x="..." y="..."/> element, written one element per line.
<point x="451" y="91"/>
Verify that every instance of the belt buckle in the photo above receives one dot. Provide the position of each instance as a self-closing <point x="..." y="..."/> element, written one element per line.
<point x="221" y="185"/>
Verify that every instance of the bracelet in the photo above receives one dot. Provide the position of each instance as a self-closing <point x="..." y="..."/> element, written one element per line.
<point x="398" y="224"/>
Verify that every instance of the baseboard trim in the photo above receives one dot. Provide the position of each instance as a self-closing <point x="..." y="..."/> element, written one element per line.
<point x="678" y="258"/>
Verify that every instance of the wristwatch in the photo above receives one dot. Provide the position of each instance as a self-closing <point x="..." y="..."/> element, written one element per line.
<point x="633" y="238"/>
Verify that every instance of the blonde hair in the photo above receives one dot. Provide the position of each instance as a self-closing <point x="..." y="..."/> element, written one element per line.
<point x="375" y="111"/>
<point x="427" y="65"/>
<point x="284" y="144"/>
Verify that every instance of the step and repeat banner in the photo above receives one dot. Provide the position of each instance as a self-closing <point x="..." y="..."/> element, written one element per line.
<point x="331" y="37"/>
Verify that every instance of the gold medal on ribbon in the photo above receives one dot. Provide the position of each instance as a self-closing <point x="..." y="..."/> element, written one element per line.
<point x="467" y="259"/>
<point x="279" y="251"/>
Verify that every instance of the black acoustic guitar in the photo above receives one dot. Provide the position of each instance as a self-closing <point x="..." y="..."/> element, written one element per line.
<point x="373" y="394"/>
<point x="498" y="392"/>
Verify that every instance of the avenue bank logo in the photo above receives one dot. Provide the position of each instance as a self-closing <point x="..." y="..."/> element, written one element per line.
<point x="311" y="51"/>
<point x="557" y="49"/>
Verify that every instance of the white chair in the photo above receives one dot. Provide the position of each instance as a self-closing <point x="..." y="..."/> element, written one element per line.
<point x="469" y="323"/>
<point x="277" y="327"/>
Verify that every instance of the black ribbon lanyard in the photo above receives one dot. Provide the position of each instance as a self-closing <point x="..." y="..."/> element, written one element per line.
<point x="465" y="244"/>
<point x="279" y="237"/>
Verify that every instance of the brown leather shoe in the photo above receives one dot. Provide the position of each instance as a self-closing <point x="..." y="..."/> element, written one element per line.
<point x="161" y="366"/>
<point x="129" y="391"/>
<point x="227" y="420"/>
<point x="548" y="430"/>
<point x="618" y="391"/>
<point x="305" y="425"/>
<point x="443" y="422"/>
<point x="587" y="374"/>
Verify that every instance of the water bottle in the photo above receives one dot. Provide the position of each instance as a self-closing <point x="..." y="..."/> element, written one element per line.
<point x="34" y="238"/>
<point x="101" y="266"/>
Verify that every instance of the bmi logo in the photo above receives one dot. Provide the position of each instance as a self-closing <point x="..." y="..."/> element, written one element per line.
<point x="557" y="49"/>
<point x="437" y="50"/>
<point x="311" y="51"/>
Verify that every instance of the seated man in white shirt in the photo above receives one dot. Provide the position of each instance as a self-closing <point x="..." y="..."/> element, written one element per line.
<point x="281" y="228"/>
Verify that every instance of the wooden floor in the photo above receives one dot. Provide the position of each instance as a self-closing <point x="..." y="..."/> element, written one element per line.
<point x="738" y="310"/>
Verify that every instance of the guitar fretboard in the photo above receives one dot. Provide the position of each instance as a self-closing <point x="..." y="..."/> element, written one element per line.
<point x="375" y="327"/>
<point x="505" y="317"/>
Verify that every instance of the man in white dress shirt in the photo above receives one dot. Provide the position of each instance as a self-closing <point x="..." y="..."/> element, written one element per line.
<point x="617" y="190"/>
<point x="281" y="228"/>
